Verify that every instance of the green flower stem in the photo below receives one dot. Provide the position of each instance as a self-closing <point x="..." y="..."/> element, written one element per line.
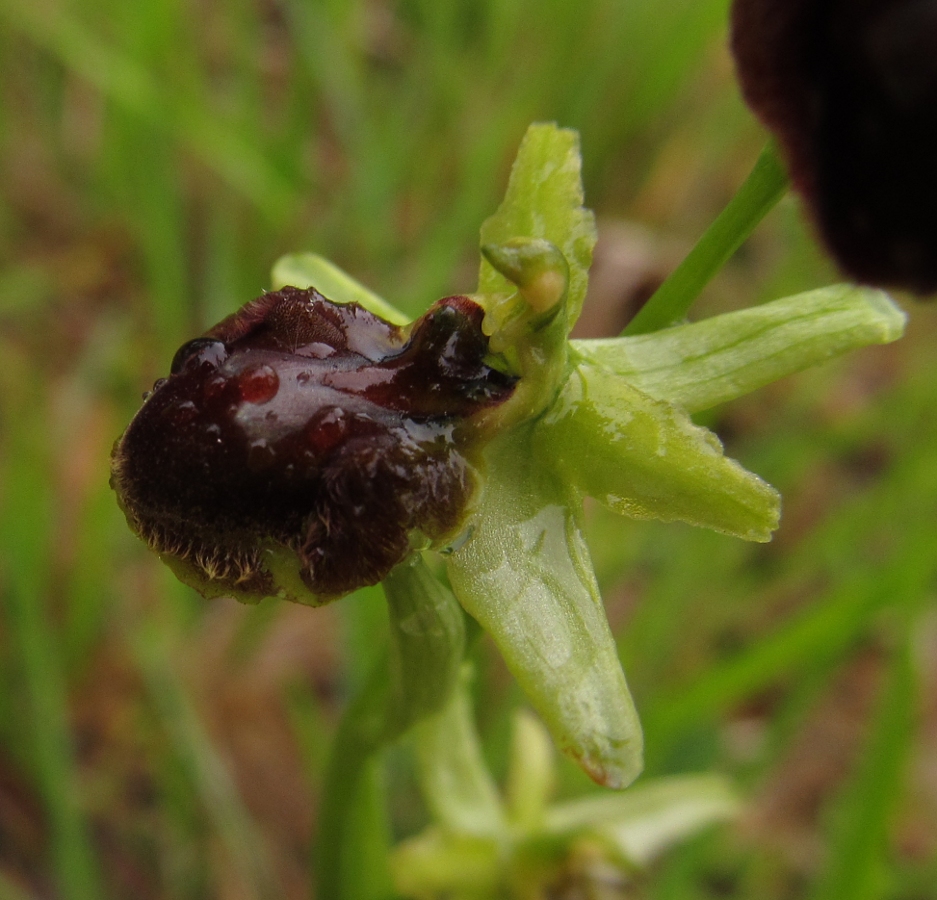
<point x="455" y="781"/>
<point x="531" y="773"/>
<point x="759" y="193"/>
<point x="412" y="681"/>
<point x="426" y="646"/>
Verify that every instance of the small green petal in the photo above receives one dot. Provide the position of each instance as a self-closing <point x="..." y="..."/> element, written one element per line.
<point x="309" y="270"/>
<point x="536" y="266"/>
<point x="645" y="458"/>
<point x="654" y="815"/>
<point x="724" y="357"/>
<point x="544" y="200"/>
<point x="531" y="773"/>
<point x="525" y="575"/>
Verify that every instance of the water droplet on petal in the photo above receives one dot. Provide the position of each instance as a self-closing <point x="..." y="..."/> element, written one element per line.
<point x="258" y="384"/>
<point x="197" y="352"/>
<point x="214" y="386"/>
<point x="182" y="413"/>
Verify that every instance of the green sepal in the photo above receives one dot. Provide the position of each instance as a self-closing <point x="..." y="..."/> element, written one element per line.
<point x="645" y="458"/>
<point x="544" y="200"/>
<point x="524" y="574"/>
<point x="727" y="356"/>
<point x="309" y="270"/>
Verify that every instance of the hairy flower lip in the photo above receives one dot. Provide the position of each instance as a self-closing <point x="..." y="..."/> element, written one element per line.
<point x="312" y="427"/>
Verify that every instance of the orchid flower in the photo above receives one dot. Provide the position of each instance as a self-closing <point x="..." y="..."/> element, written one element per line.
<point x="307" y="446"/>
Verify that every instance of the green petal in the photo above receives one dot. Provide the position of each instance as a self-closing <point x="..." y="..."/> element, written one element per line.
<point x="654" y="815"/>
<point x="531" y="772"/>
<point x="306" y="270"/>
<point x="645" y="458"/>
<point x="525" y="575"/>
<point x="544" y="200"/>
<point x="724" y="357"/>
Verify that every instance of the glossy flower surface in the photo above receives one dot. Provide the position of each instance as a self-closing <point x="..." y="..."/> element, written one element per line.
<point x="850" y="90"/>
<point x="303" y="444"/>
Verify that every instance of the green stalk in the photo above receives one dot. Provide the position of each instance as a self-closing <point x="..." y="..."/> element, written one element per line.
<point x="456" y="783"/>
<point x="765" y="185"/>
<point x="413" y="680"/>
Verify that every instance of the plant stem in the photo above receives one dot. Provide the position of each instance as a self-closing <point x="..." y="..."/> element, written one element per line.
<point x="765" y="185"/>
<point x="456" y="784"/>
<point x="413" y="680"/>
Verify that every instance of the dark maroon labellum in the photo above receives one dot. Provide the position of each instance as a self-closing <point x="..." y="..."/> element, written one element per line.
<point x="850" y="89"/>
<point x="309" y="426"/>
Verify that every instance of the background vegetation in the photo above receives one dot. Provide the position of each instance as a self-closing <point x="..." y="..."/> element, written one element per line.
<point x="155" y="158"/>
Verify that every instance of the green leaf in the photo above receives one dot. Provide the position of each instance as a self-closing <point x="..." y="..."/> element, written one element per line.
<point x="724" y="357"/>
<point x="525" y="575"/>
<point x="306" y="270"/>
<point x="544" y="200"/>
<point x="645" y="458"/>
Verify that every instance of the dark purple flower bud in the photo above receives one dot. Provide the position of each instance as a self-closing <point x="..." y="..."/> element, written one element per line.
<point x="305" y="429"/>
<point x="849" y="87"/>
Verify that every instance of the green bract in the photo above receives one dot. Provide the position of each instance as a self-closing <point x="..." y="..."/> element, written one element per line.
<point x="607" y="419"/>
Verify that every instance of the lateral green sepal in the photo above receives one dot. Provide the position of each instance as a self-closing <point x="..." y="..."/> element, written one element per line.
<point x="727" y="356"/>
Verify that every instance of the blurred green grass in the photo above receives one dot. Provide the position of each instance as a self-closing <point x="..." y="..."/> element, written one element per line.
<point x="155" y="158"/>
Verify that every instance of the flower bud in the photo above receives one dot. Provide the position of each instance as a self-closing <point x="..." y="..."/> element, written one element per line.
<point x="850" y="91"/>
<point x="303" y="447"/>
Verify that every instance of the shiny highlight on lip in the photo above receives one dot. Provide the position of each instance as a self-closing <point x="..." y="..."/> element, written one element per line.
<point x="310" y="428"/>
